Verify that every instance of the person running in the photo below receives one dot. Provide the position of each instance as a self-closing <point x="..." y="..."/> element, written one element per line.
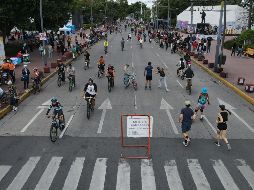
<point x="185" y="118"/>
<point x="222" y="126"/>
<point x="148" y="73"/>
<point x="203" y="100"/>
<point x="162" y="74"/>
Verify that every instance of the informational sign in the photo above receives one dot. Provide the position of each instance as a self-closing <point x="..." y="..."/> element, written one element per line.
<point x="43" y="36"/>
<point x="200" y="36"/>
<point x="2" y="52"/>
<point x="138" y="126"/>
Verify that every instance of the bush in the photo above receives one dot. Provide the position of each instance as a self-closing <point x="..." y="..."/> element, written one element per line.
<point x="229" y="44"/>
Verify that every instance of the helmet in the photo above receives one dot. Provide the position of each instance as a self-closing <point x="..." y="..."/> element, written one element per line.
<point x="204" y="90"/>
<point x="53" y="99"/>
<point x="222" y="107"/>
<point x="90" y="80"/>
<point x="181" y="59"/>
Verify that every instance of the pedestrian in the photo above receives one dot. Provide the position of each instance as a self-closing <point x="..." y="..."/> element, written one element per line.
<point x="240" y="50"/>
<point x="148" y="73"/>
<point x="13" y="96"/>
<point x="25" y="76"/>
<point x="162" y="74"/>
<point x="222" y="126"/>
<point x="233" y="49"/>
<point x="41" y="50"/>
<point x="185" y="118"/>
<point x="50" y="51"/>
<point x="208" y="49"/>
<point x="11" y="70"/>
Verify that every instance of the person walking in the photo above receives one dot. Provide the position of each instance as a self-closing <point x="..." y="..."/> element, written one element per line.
<point x="148" y="73"/>
<point x="233" y="49"/>
<point x="11" y="71"/>
<point x="240" y="50"/>
<point x="162" y="74"/>
<point x="222" y="126"/>
<point x="50" y="51"/>
<point x="25" y="76"/>
<point x="185" y="118"/>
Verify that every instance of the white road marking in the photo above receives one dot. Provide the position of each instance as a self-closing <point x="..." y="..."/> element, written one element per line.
<point x="135" y="102"/>
<point x="49" y="174"/>
<point x="173" y="178"/>
<point x="161" y="60"/>
<point x="147" y="175"/>
<point x="210" y="124"/>
<point x="123" y="176"/>
<point x="246" y="171"/>
<point x="24" y="174"/>
<point x="168" y="107"/>
<point x="3" y="171"/>
<point x="224" y="176"/>
<point x="198" y="175"/>
<point x="132" y="63"/>
<point x="72" y="180"/>
<point x="104" y="107"/>
<point x="179" y="83"/>
<point x="67" y="125"/>
<point x="99" y="172"/>
<point x="32" y="120"/>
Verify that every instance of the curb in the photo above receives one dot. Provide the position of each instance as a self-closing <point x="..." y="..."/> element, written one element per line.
<point x="25" y="95"/>
<point x="225" y="82"/>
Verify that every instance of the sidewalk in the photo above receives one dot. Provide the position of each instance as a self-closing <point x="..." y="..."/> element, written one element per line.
<point x="235" y="67"/>
<point x="36" y="61"/>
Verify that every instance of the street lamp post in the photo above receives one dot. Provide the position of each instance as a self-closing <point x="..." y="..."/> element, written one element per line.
<point x="43" y="41"/>
<point x="217" y="57"/>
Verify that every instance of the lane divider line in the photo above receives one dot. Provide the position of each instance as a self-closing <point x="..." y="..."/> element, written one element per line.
<point x="179" y="83"/>
<point x="67" y="125"/>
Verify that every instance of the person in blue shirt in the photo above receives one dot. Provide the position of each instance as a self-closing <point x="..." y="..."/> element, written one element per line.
<point x="148" y="73"/>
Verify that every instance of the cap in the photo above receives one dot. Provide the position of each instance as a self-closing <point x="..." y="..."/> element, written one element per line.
<point x="187" y="103"/>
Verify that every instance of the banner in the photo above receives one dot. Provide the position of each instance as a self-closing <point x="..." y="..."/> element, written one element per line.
<point x="2" y="52"/>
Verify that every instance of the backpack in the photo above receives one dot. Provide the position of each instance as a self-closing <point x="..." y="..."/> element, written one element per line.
<point x="202" y="100"/>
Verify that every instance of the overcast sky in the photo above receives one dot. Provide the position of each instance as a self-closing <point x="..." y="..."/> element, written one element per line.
<point x="148" y="2"/>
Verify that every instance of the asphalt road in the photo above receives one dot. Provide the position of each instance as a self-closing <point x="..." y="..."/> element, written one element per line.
<point x="88" y="154"/>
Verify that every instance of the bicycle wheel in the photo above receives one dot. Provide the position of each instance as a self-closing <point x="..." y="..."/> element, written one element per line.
<point x="88" y="110"/>
<point x="70" y="85"/>
<point x="53" y="133"/>
<point x="59" y="81"/>
<point x="34" y="89"/>
<point x="109" y="85"/>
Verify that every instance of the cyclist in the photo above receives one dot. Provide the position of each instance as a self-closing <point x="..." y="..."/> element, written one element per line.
<point x="129" y="36"/>
<point x="58" y="111"/>
<point x="71" y="73"/>
<point x="122" y="43"/>
<point x="181" y="66"/>
<point x="61" y="70"/>
<point x="87" y="55"/>
<point x="106" y="46"/>
<point x="203" y="99"/>
<point x="111" y="72"/>
<point x="90" y="90"/>
<point x="101" y="64"/>
<point x="128" y="71"/>
<point x="189" y="74"/>
<point x="141" y="42"/>
<point x="187" y="57"/>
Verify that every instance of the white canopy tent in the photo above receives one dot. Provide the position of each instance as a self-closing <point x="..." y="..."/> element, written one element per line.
<point x="237" y="17"/>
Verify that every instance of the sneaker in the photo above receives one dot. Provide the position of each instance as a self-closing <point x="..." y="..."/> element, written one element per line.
<point x="16" y="108"/>
<point x="217" y="144"/>
<point x="201" y="117"/>
<point x="167" y="90"/>
<point x="185" y="144"/>
<point x="229" y="147"/>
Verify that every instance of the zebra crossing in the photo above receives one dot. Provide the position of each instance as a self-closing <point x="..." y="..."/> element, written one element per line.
<point x="100" y="170"/>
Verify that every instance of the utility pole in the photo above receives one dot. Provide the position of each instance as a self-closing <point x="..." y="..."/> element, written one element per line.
<point x="217" y="58"/>
<point x="157" y="15"/>
<point x="168" y="14"/>
<point x="192" y="29"/>
<point x="43" y="41"/>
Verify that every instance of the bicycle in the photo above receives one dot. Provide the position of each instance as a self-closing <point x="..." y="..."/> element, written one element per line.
<point x="59" y="79"/>
<point x="55" y="125"/>
<point x="90" y="108"/>
<point x="36" y="87"/>
<point x="106" y="49"/>
<point x="4" y="99"/>
<point x="110" y="82"/>
<point x="71" y="83"/>
<point x="189" y="84"/>
<point x="130" y="79"/>
<point x="100" y="71"/>
<point x="87" y="63"/>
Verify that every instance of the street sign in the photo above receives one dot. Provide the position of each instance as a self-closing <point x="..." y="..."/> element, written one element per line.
<point x="138" y="126"/>
<point x="43" y="36"/>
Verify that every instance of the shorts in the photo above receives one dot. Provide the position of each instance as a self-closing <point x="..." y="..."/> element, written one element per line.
<point x="222" y="126"/>
<point x="149" y="77"/>
<point x="200" y="106"/>
<point x="185" y="128"/>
